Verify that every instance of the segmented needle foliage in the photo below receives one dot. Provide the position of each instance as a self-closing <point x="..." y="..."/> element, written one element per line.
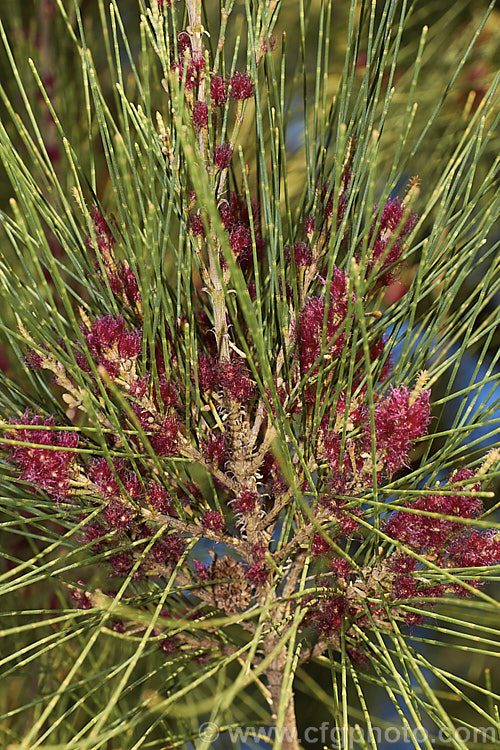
<point x="239" y="450"/>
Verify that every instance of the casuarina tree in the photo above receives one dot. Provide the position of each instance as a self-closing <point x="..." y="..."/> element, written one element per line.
<point x="250" y="444"/>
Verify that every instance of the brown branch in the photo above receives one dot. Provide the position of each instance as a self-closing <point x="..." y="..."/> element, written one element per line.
<point x="197" y="532"/>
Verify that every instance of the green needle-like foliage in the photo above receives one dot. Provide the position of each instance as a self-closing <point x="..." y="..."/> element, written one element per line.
<point x="249" y="412"/>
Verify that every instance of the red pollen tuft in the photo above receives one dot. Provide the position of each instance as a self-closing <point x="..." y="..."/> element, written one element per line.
<point x="309" y="224"/>
<point x="183" y="42"/>
<point x="257" y="574"/>
<point x="327" y="615"/>
<point x="118" y="516"/>
<point x="196" y="226"/>
<point x="200" y="115"/>
<point x="234" y="379"/>
<point x="271" y="46"/>
<point x="123" y="283"/>
<point x="341" y="568"/>
<point x="109" y="343"/>
<point x="194" y="70"/>
<point x="202" y="571"/>
<point x="423" y="532"/>
<point x="223" y="155"/>
<point x="207" y="373"/>
<point x="241" y="86"/>
<point x="122" y="563"/>
<point x="103" y="235"/>
<point x="175" y="547"/>
<point x="81" y="598"/>
<point x="302" y="254"/>
<point x="46" y="468"/>
<point x="215" y="450"/>
<point x="398" y="422"/>
<point x="160" y="499"/>
<point x="311" y="323"/>
<point x="246" y="502"/>
<point x="165" y="440"/>
<point x="390" y="232"/>
<point x="218" y="91"/>
<point x="105" y="479"/>
<point x="320" y="546"/>
<point x="212" y="520"/>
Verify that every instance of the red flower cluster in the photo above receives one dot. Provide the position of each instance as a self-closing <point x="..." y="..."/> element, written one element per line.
<point x="328" y="199"/>
<point x="168" y="393"/>
<point x="223" y="155"/>
<point x="92" y="534"/>
<point x="312" y="318"/>
<point x="164" y="440"/>
<point x="245" y="503"/>
<point x="106" y="479"/>
<point x="111" y="344"/>
<point x="200" y="115"/>
<point x="241" y="86"/>
<point x="232" y="377"/>
<point x="212" y="520"/>
<point x="121" y="279"/>
<point x="474" y="549"/>
<point x="123" y="283"/>
<point x="236" y="220"/>
<point x="346" y="519"/>
<point x="118" y="516"/>
<point x="399" y="420"/>
<point x="47" y="464"/>
<point x="80" y="597"/>
<point x="118" y="486"/>
<point x="271" y="46"/>
<point x="387" y="235"/>
<point x="162" y="432"/>
<point x="320" y="546"/>
<point x="302" y="254"/>
<point x="160" y="499"/>
<point x="448" y="544"/>
<point x="341" y="568"/>
<point x="215" y="450"/>
<point x="122" y="563"/>
<point x="326" y="616"/>
<point x="423" y="532"/>
<point x="190" y="65"/>
<point x="257" y="574"/>
<point x="218" y="91"/>
<point x="103" y="234"/>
